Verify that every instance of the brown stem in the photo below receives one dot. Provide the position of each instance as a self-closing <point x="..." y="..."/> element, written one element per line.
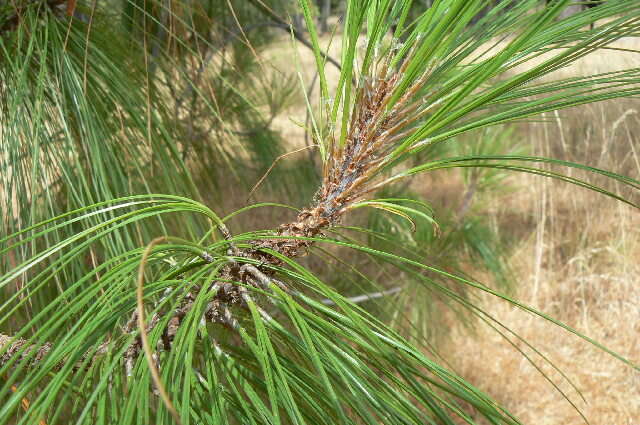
<point x="16" y="345"/>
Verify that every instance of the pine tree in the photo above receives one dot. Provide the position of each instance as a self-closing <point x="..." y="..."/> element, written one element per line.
<point x="128" y="306"/>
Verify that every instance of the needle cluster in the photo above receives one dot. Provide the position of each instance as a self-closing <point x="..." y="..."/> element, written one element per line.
<point x="374" y="130"/>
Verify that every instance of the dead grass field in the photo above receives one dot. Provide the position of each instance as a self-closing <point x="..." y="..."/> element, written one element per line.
<point x="580" y="264"/>
<point x="578" y="260"/>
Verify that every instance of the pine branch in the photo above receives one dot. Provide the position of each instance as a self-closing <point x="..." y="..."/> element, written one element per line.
<point x="16" y="345"/>
<point x="366" y="297"/>
<point x="346" y="180"/>
<point x="36" y="353"/>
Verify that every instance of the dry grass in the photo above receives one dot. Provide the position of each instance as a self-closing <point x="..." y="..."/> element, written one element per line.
<point x="595" y="289"/>
<point x="578" y="259"/>
<point x="592" y="285"/>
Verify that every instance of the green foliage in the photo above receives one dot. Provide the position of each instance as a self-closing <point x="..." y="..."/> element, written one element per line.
<point x="242" y="331"/>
